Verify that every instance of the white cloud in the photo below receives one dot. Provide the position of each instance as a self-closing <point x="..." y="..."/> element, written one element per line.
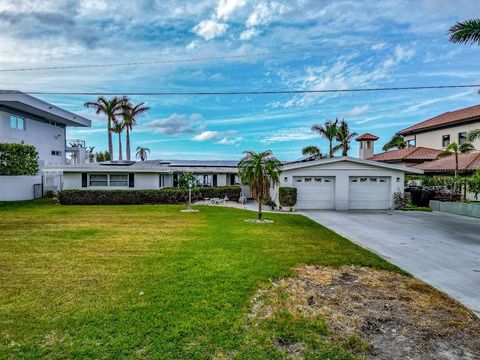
<point x="210" y="29"/>
<point x="177" y="124"/>
<point x="400" y="54"/>
<point x="357" y="110"/>
<point x="433" y="101"/>
<point x="206" y="135"/>
<point x="227" y="7"/>
<point x="248" y="34"/>
<point x="229" y="140"/>
<point x="293" y="134"/>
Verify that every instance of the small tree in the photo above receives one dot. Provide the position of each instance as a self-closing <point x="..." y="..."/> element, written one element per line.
<point x="18" y="159"/>
<point x="396" y="142"/>
<point x="474" y="184"/>
<point x="329" y="131"/>
<point x="142" y="153"/>
<point x="344" y="137"/>
<point x="455" y="149"/>
<point x="185" y="178"/>
<point x="259" y="171"/>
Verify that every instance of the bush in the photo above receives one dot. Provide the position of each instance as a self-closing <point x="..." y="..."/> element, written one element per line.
<point x="49" y="194"/>
<point x="287" y="196"/>
<point x="136" y="197"/>
<point x="18" y="159"/>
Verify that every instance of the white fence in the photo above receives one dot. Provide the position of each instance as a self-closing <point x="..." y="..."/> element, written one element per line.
<point x="18" y="187"/>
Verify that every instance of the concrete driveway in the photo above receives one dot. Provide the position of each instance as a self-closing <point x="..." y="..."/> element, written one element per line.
<point x="440" y="249"/>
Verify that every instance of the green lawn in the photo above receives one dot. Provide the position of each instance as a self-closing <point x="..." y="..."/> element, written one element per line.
<point x="71" y="278"/>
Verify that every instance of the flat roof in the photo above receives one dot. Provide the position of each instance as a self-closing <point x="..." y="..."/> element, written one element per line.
<point x="20" y="101"/>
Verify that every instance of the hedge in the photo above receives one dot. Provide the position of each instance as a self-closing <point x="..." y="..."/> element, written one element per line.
<point x="18" y="159"/>
<point x="287" y="196"/>
<point x="135" y="197"/>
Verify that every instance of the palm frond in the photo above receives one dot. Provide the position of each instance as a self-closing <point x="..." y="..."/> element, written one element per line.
<point x="467" y="31"/>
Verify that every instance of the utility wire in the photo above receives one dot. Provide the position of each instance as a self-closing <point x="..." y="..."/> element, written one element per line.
<point x="261" y="92"/>
<point x="201" y="59"/>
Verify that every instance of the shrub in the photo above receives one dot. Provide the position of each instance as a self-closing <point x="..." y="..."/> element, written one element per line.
<point x="49" y="194"/>
<point x="18" y="159"/>
<point x="136" y="197"/>
<point x="287" y="196"/>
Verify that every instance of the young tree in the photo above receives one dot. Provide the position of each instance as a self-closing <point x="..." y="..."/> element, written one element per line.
<point x="130" y="113"/>
<point x="473" y="135"/>
<point x="118" y="129"/>
<point x="112" y="109"/>
<point x="142" y="153"/>
<point x="344" y="137"/>
<point x="474" y="184"/>
<point x="396" y="142"/>
<point x="313" y="151"/>
<point x="329" y="131"/>
<point x="455" y="149"/>
<point x="259" y="171"/>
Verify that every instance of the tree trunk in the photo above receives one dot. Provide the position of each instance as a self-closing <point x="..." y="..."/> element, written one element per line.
<point x="259" y="208"/>
<point x="120" y="147"/>
<point x="110" y="142"/>
<point x="331" y="149"/>
<point x="128" y="144"/>
<point x="455" y="174"/>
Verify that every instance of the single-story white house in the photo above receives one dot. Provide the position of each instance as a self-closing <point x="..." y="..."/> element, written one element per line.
<point x="344" y="183"/>
<point x="339" y="183"/>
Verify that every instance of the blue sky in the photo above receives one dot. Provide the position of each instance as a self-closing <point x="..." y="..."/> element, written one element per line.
<point x="311" y="44"/>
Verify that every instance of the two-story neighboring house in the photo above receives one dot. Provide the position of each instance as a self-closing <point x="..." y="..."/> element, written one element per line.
<point x="24" y="118"/>
<point x="441" y="130"/>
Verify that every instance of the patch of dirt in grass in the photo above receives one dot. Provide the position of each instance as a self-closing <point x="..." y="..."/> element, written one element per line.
<point x="373" y="313"/>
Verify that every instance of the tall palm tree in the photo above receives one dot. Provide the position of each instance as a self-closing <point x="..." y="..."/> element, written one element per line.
<point x="397" y="142"/>
<point x="129" y="114"/>
<point x="118" y="128"/>
<point x="142" y="153"/>
<point x="259" y="171"/>
<point x="344" y="137"/>
<point x="467" y="31"/>
<point x="314" y="151"/>
<point x="455" y="149"/>
<point x="329" y="131"/>
<point x="112" y="109"/>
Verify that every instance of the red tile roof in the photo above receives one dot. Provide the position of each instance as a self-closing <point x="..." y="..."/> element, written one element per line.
<point x="445" y="119"/>
<point x="468" y="162"/>
<point x="409" y="153"/>
<point x="366" y="136"/>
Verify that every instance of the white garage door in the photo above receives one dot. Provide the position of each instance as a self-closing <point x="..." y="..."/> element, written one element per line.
<point x="314" y="192"/>
<point x="369" y="192"/>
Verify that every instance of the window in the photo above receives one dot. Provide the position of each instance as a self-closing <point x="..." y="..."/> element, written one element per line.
<point x="445" y="140"/>
<point x="119" y="180"/>
<point x="411" y="143"/>
<point x="99" y="180"/>
<point x="368" y="144"/>
<point x="384" y="180"/>
<point x="298" y="180"/>
<point x="462" y="138"/>
<point x="17" y="122"/>
<point x="318" y="179"/>
<point x="361" y="145"/>
<point x="161" y="180"/>
<point x="363" y="179"/>
<point x="309" y="179"/>
<point x="373" y="179"/>
<point x="354" y="180"/>
<point x="56" y="153"/>
<point x="327" y="180"/>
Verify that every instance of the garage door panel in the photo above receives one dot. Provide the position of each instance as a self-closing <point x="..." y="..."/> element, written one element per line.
<point x="369" y="192"/>
<point x="314" y="192"/>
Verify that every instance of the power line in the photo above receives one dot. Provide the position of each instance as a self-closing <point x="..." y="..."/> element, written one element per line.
<point x="202" y="59"/>
<point x="260" y="92"/>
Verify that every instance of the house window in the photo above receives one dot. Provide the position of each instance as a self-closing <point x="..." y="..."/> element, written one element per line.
<point x="161" y="180"/>
<point x="368" y="144"/>
<point x="445" y="140"/>
<point x="99" y="180"/>
<point x="363" y="179"/>
<point x="17" y="122"/>
<point x="119" y="180"/>
<point x="361" y="145"/>
<point x="373" y="179"/>
<point x="298" y="180"/>
<point x="411" y="143"/>
<point x="462" y="138"/>
<point x="308" y="179"/>
<point x="56" y="153"/>
<point x="318" y="179"/>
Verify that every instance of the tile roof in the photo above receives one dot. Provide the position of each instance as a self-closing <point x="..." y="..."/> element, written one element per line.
<point x="445" y="119"/>
<point x="468" y="162"/>
<point x="366" y="136"/>
<point x="409" y="153"/>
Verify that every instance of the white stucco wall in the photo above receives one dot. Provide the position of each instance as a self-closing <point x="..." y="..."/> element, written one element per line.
<point x="342" y="172"/>
<point x="43" y="136"/>
<point x="143" y="181"/>
<point x="433" y="138"/>
<point x="18" y="187"/>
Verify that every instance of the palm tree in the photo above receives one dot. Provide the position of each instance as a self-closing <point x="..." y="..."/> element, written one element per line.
<point x="118" y="128"/>
<point x="313" y="151"/>
<point x="344" y="137"/>
<point x="91" y="155"/>
<point x="397" y="142"/>
<point x="455" y="149"/>
<point x="473" y="135"/>
<point x="142" y="153"/>
<point x="467" y="31"/>
<point x="129" y="114"/>
<point x="112" y="109"/>
<point x="329" y="131"/>
<point x="259" y="171"/>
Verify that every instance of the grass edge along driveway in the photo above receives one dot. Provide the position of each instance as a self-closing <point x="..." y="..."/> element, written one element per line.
<point x="152" y="282"/>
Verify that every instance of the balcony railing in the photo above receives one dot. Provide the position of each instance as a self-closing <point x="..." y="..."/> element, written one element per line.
<point x="75" y="143"/>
